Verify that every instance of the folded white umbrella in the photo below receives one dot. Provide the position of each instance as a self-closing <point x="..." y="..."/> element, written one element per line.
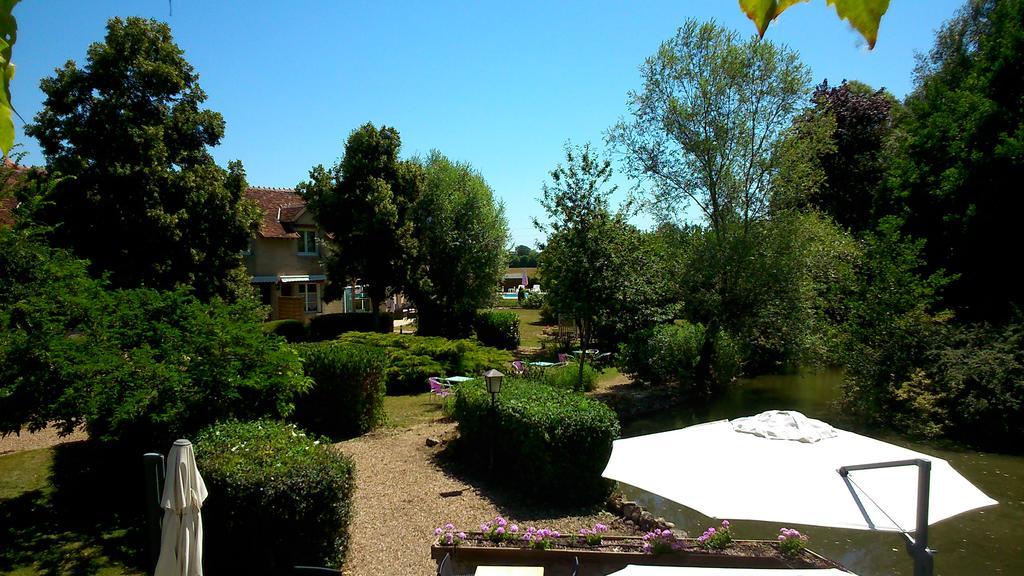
<point x="638" y="570"/>
<point x="181" y="540"/>
<point x="781" y="466"/>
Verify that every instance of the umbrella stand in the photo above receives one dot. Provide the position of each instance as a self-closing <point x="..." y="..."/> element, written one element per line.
<point x="917" y="545"/>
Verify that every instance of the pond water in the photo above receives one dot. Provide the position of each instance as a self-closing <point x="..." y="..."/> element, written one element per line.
<point x="986" y="541"/>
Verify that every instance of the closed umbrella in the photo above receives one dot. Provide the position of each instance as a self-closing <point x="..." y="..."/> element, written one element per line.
<point x="782" y="466"/>
<point x="181" y="540"/>
<point x="642" y="570"/>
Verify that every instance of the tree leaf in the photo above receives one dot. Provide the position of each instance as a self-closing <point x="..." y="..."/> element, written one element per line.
<point x="864" y="15"/>
<point x="8" y="35"/>
<point x="764" y="11"/>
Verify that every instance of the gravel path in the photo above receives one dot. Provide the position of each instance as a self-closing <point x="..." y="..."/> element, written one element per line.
<point x="42" y="439"/>
<point x="402" y="494"/>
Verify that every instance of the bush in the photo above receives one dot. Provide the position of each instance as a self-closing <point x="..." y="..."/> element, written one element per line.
<point x="533" y="300"/>
<point x="291" y="330"/>
<point x="566" y="377"/>
<point x="143" y="367"/>
<point x="547" y="314"/>
<point x="671" y="354"/>
<point x="271" y="484"/>
<point x="330" y="326"/>
<point x="347" y="397"/>
<point x="496" y="328"/>
<point x="548" y="444"/>
<point x="412" y="359"/>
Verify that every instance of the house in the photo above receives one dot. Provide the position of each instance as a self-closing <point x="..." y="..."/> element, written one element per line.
<point x="515" y="278"/>
<point x="283" y="259"/>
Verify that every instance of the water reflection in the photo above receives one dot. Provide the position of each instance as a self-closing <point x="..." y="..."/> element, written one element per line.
<point x="986" y="541"/>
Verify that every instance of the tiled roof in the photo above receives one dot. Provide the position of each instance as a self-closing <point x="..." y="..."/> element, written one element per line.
<point x="8" y="203"/>
<point x="7" y="206"/>
<point x="278" y="205"/>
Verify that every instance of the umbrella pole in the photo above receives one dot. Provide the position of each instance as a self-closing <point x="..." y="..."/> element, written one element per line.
<point x="917" y="546"/>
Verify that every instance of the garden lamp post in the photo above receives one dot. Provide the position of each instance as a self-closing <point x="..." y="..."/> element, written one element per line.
<point x="494" y="380"/>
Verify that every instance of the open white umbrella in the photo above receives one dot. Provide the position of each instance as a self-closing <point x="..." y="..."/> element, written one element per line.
<point x="781" y="466"/>
<point x="181" y="540"/>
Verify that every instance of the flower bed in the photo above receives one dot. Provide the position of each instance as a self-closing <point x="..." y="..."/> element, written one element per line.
<point x="555" y="552"/>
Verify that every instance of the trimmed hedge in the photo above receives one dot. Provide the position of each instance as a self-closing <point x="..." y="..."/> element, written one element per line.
<point x="347" y="397"/>
<point x="413" y="358"/>
<point x="497" y="328"/>
<point x="548" y="444"/>
<point x="291" y="330"/>
<point x="277" y="498"/>
<point x="330" y="326"/>
<point x="565" y="378"/>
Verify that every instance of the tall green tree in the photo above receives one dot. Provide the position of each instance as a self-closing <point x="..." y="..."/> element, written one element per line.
<point x="963" y="157"/>
<point x="582" y="242"/>
<point x="462" y="233"/>
<point x="139" y="193"/>
<point x="364" y="204"/>
<point x="705" y="130"/>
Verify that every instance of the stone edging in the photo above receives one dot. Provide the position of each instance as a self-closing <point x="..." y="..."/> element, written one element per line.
<point x="634" y="516"/>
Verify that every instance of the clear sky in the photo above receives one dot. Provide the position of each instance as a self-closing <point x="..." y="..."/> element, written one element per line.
<point x="501" y="85"/>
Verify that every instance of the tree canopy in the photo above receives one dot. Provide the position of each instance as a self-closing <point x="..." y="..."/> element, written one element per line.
<point x="365" y="204"/>
<point x="137" y="192"/>
<point x="462" y="233"/>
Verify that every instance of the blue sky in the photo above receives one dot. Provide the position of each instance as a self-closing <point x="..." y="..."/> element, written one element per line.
<point x="500" y="85"/>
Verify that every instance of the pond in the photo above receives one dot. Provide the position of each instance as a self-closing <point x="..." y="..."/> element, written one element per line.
<point x="986" y="541"/>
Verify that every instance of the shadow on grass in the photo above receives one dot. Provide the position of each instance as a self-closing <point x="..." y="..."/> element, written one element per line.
<point x="85" y="520"/>
<point x="509" y="502"/>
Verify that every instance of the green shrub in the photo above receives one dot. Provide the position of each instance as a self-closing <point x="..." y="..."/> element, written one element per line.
<point x="291" y="330"/>
<point x="566" y="377"/>
<point x="330" y="326"/>
<point x="671" y="353"/>
<point x="412" y="359"/>
<point x="497" y="328"/>
<point x="533" y="300"/>
<point x="347" y="396"/>
<point x="142" y="367"/>
<point x="548" y="314"/>
<point x="548" y="444"/>
<point x="278" y="498"/>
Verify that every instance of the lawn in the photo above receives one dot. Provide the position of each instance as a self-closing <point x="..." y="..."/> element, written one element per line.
<point x="530" y="328"/>
<point x="61" y="517"/>
<point x="410" y="410"/>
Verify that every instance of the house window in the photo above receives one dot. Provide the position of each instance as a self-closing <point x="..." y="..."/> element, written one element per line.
<point x="311" y="297"/>
<point x="307" y="242"/>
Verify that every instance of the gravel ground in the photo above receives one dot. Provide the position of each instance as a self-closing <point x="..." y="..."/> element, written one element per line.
<point x="42" y="439"/>
<point x="402" y="494"/>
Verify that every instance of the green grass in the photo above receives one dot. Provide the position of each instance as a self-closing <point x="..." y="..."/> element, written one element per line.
<point x="530" y="327"/>
<point x="410" y="410"/>
<point x="62" y="514"/>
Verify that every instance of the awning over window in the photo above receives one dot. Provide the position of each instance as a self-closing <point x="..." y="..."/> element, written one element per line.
<point x="303" y="278"/>
<point x="264" y="279"/>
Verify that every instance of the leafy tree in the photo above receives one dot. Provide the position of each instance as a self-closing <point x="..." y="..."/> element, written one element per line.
<point x="140" y="196"/>
<point x="706" y="130"/>
<point x="462" y="233"/>
<point x="853" y="192"/>
<point x="864" y="15"/>
<point x="364" y="203"/>
<point x="963" y="155"/>
<point x="523" y="257"/>
<point x="582" y="241"/>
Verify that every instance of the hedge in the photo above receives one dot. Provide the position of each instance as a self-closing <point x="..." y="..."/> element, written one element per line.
<point x="330" y="326"/>
<point x="412" y="359"/>
<point x="548" y="444"/>
<point x="670" y="354"/>
<point x="278" y="498"/>
<point x="289" y="329"/>
<point x="497" y="328"/>
<point x="347" y="396"/>
<point x="566" y="377"/>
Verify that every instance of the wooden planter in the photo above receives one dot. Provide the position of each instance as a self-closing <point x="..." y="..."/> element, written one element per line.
<point x="614" y="555"/>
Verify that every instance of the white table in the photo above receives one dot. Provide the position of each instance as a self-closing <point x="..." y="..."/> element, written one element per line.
<point x="509" y="571"/>
<point x="451" y="381"/>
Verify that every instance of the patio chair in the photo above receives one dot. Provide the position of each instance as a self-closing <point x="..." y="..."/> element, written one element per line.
<point x="602" y="359"/>
<point x="439" y="389"/>
<point x="445" y="567"/>
<point x="564" y="358"/>
<point x="519" y="368"/>
<point x="575" y="566"/>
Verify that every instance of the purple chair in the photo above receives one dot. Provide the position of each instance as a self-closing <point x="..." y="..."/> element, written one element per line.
<point x="519" y="368"/>
<point x="437" y="388"/>
<point x="564" y="358"/>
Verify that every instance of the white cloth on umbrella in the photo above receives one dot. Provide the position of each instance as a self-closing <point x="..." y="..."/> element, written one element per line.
<point x="181" y="540"/>
<point x="784" y="425"/>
